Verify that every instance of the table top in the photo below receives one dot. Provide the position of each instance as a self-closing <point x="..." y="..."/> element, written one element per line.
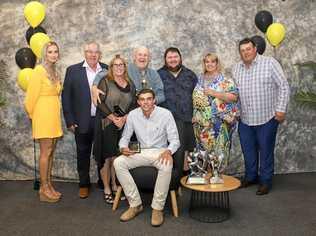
<point x="230" y="183"/>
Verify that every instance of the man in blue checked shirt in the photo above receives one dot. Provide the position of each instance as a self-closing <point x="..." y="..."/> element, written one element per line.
<point x="264" y="95"/>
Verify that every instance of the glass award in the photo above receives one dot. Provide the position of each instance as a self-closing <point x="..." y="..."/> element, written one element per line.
<point x="216" y="165"/>
<point x="134" y="146"/>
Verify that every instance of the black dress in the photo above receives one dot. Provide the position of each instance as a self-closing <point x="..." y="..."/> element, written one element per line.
<point x="107" y="135"/>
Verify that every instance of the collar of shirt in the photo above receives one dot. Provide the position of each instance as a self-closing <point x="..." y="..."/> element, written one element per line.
<point x="152" y="114"/>
<point x="86" y="65"/>
<point x="254" y="62"/>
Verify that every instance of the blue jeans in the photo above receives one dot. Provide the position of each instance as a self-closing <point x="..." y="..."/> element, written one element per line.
<point x="257" y="144"/>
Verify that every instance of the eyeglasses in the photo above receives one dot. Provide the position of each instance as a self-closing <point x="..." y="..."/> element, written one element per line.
<point x="119" y="65"/>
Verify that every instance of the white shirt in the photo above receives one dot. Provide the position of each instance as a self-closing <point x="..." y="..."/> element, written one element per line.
<point x="263" y="89"/>
<point x="91" y="74"/>
<point x="157" y="131"/>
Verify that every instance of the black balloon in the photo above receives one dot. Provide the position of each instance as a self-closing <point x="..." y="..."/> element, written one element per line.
<point x="263" y="20"/>
<point x="260" y="43"/>
<point x="25" y="58"/>
<point x="30" y="31"/>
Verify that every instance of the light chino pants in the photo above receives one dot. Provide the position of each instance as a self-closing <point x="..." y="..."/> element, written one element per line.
<point x="147" y="157"/>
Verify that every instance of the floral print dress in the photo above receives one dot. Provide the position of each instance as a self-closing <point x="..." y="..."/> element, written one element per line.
<point x="213" y="119"/>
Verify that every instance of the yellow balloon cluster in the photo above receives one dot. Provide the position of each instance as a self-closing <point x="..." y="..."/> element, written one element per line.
<point x="275" y="34"/>
<point x="34" y="13"/>
<point x="37" y="43"/>
<point x="24" y="78"/>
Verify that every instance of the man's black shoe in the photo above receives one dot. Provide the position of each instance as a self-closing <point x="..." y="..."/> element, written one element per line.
<point x="246" y="183"/>
<point x="262" y="190"/>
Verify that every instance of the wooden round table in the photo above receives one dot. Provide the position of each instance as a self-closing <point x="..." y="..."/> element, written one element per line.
<point x="210" y="202"/>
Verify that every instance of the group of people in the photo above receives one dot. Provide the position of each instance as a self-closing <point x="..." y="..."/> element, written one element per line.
<point x="168" y="112"/>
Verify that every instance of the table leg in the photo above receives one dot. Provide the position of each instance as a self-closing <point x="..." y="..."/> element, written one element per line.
<point x="211" y="207"/>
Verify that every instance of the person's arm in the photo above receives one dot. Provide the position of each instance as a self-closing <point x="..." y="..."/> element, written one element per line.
<point x="172" y="134"/>
<point x="283" y="87"/>
<point x="32" y="93"/>
<point x="67" y="99"/>
<point x="157" y="87"/>
<point x="95" y="92"/>
<point x="224" y="96"/>
<point x="126" y="136"/>
<point x="102" y="106"/>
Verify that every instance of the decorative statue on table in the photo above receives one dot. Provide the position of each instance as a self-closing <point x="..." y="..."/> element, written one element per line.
<point x="202" y="163"/>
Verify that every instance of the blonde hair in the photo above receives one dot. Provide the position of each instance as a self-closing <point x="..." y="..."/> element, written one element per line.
<point x="51" y="70"/>
<point x="212" y="56"/>
<point x="110" y="75"/>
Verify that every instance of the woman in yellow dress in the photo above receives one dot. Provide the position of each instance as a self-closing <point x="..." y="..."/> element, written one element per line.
<point x="43" y="107"/>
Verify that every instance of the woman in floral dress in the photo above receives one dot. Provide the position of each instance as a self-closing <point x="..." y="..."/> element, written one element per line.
<point x="215" y="109"/>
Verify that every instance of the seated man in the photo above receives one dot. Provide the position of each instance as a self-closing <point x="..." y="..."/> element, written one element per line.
<point x="157" y="134"/>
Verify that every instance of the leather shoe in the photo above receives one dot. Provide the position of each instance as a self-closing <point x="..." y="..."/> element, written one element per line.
<point x="262" y="190"/>
<point x="156" y="218"/>
<point x="131" y="213"/>
<point x="83" y="192"/>
<point x="246" y="183"/>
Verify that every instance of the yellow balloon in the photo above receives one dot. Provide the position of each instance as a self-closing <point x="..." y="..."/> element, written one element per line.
<point x="275" y="33"/>
<point x="24" y="78"/>
<point x="37" y="43"/>
<point x="34" y="13"/>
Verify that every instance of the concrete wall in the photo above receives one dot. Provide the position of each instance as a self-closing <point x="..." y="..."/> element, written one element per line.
<point x="193" y="26"/>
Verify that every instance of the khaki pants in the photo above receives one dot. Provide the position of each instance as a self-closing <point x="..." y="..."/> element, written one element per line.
<point x="147" y="157"/>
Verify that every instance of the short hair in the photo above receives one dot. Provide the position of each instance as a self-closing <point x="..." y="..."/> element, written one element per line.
<point x="212" y="56"/>
<point x="136" y="49"/>
<point x="91" y="43"/>
<point x="144" y="91"/>
<point x="172" y="49"/>
<point x="245" y="41"/>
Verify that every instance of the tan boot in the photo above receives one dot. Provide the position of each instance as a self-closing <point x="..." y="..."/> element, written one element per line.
<point x="131" y="213"/>
<point x="156" y="218"/>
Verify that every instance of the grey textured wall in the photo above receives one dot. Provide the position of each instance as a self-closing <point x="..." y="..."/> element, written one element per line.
<point x="193" y="26"/>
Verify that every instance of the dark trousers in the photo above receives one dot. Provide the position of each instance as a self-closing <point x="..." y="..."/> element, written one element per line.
<point x="187" y="140"/>
<point x="257" y="144"/>
<point x="84" y="143"/>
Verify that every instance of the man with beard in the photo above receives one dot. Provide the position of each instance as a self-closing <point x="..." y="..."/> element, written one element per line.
<point x="179" y="83"/>
<point x="142" y="76"/>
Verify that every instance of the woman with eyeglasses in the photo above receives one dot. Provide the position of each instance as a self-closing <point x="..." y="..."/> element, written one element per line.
<point x="118" y="99"/>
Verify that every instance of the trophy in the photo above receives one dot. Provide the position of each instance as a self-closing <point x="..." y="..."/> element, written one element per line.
<point x="134" y="146"/>
<point x="216" y="166"/>
<point x="198" y="167"/>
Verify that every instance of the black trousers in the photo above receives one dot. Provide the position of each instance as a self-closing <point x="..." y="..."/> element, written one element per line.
<point x="84" y="143"/>
<point x="187" y="139"/>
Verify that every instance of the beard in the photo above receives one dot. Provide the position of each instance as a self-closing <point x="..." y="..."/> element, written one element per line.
<point x="174" y="69"/>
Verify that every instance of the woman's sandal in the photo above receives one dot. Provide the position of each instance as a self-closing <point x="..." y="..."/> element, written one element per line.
<point x="108" y="198"/>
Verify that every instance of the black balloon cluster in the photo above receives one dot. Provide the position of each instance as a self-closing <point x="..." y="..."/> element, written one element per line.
<point x="263" y="20"/>
<point x="24" y="57"/>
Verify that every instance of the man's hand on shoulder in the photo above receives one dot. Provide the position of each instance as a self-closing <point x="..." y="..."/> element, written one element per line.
<point x="95" y="94"/>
